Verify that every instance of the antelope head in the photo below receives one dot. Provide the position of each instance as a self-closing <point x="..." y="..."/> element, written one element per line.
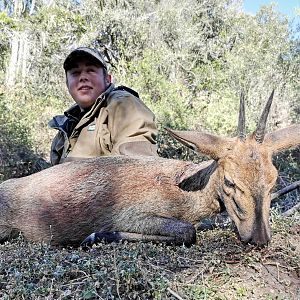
<point x="245" y="175"/>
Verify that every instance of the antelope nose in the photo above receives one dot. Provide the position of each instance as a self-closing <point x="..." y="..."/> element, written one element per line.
<point x="260" y="238"/>
<point x="259" y="242"/>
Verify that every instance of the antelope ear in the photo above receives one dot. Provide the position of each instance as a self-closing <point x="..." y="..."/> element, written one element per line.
<point x="283" y="138"/>
<point x="208" y="144"/>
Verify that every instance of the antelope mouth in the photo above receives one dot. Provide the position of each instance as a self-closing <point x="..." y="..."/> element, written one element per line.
<point x="259" y="239"/>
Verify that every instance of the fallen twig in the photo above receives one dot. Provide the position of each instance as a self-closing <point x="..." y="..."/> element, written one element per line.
<point x="232" y="262"/>
<point x="285" y="190"/>
<point x="174" y="294"/>
<point x="292" y="210"/>
<point x="278" y="265"/>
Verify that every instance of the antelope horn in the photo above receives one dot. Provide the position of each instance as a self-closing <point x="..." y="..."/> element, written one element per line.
<point x="242" y="123"/>
<point x="261" y="126"/>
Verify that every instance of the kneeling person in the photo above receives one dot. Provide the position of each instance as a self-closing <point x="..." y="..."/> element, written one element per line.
<point x="106" y="120"/>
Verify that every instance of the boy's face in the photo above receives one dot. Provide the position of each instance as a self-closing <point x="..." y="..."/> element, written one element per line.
<point x="86" y="81"/>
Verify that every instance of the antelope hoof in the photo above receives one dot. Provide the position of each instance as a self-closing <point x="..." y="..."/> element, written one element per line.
<point x="97" y="237"/>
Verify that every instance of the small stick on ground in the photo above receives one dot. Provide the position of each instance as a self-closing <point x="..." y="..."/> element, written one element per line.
<point x="174" y="294"/>
<point x="285" y="190"/>
<point x="292" y="210"/>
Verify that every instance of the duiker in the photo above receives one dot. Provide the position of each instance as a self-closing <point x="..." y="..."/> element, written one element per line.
<point x="151" y="198"/>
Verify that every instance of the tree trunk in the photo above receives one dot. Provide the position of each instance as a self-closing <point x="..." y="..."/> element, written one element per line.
<point x="17" y="66"/>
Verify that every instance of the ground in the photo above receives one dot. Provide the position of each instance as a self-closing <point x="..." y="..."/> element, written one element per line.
<point x="219" y="266"/>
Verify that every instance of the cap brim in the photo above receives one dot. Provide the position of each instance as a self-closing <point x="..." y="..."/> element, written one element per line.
<point x="69" y="62"/>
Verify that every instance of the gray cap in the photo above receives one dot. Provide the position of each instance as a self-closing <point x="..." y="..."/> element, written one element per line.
<point x="81" y="52"/>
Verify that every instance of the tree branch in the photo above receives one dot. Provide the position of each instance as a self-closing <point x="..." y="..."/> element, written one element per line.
<point x="285" y="190"/>
<point x="292" y="210"/>
<point x="174" y="294"/>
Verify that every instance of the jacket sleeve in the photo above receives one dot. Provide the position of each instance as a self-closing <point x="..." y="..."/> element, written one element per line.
<point x="131" y="125"/>
<point x="57" y="148"/>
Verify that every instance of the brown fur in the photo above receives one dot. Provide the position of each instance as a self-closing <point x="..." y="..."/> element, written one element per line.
<point x="66" y="203"/>
<point x="148" y="198"/>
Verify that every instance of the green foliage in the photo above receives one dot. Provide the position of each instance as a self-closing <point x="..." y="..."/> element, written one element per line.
<point x="5" y="20"/>
<point x="189" y="62"/>
<point x="219" y="266"/>
<point x="17" y="158"/>
<point x="168" y="100"/>
<point x="222" y="115"/>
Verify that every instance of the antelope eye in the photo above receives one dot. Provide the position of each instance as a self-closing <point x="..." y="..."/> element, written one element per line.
<point x="229" y="183"/>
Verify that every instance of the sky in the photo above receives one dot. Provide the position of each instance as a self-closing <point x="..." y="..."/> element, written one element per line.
<point x="286" y="7"/>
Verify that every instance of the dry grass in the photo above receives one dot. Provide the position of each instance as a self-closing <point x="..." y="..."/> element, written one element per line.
<point x="219" y="266"/>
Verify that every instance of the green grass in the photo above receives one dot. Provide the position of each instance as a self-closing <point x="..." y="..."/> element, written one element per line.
<point x="219" y="266"/>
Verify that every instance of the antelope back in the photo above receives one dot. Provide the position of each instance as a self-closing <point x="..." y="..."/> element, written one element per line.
<point x="66" y="203"/>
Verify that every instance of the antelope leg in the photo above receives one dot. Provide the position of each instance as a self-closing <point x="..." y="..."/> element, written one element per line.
<point x="157" y="229"/>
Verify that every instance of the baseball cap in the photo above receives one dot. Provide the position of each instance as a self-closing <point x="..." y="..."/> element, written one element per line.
<point x="81" y="52"/>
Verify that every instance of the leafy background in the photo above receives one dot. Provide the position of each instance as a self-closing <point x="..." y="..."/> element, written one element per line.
<point x="189" y="61"/>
